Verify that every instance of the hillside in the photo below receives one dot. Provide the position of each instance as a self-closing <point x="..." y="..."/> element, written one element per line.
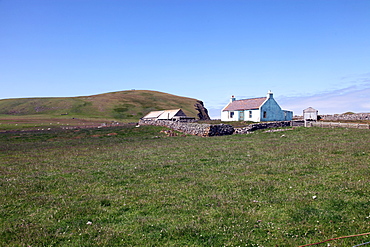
<point x="132" y="104"/>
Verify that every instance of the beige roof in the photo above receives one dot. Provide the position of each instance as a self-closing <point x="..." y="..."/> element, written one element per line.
<point x="169" y="114"/>
<point x="153" y="114"/>
<point x="245" y="104"/>
<point x="165" y="114"/>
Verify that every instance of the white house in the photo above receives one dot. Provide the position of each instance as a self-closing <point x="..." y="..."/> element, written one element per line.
<point x="256" y="110"/>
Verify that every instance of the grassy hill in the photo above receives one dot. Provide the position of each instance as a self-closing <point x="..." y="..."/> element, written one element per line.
<point x="132" y="104"/>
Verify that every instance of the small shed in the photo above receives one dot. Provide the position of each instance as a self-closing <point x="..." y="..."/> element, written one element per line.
<point x="310" y="114"/>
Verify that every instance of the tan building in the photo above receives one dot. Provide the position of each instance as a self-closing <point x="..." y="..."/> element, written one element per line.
<point x="174" y="115"/>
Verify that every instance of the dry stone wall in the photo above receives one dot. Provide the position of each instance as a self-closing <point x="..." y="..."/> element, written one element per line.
<point x="253" y="127"/>
<point x="338" y="125"/>
<point x="193" y="128"/>
<point x="216" y="129"/>
<point x="338" y="117"/>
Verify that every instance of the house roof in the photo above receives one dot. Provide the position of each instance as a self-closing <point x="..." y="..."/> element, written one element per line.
<point x="245" y="104"/>
<point x="165" y="114"/>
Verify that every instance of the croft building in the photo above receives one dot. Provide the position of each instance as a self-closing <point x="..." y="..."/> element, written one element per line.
<point x="256" y="110"/>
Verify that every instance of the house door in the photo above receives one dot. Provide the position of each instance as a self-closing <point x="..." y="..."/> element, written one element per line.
<point x="241" y="116"/>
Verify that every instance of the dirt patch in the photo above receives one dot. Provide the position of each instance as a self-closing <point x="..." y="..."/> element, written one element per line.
<point x="112" y="134"/>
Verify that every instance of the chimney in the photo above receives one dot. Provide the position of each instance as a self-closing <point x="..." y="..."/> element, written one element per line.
<point x="270" y="95"/>
<point x="232" y="99"/>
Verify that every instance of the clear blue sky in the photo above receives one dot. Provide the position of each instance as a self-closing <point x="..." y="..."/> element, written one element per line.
<point x="308" y="52"/>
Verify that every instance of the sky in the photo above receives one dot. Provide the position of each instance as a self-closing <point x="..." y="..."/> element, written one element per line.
<point x="309" y="53"/>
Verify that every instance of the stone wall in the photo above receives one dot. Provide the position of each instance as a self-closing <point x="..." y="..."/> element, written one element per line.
<point x="258" y="126"/>
<point x="338" y="125"/>
<point x="338" y="117"/>
<point x="217" y="129"/>
<point x="193" y="128"/>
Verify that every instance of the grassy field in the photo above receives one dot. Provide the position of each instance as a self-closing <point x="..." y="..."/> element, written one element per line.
<point x="32" y="122"/>
<point x="129" y="186"/>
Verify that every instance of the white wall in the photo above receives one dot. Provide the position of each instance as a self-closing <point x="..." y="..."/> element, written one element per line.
<point x="255" y="115"/>
<point x="225" y="116"/>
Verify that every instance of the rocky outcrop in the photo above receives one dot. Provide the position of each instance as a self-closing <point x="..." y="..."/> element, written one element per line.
<point x="202" y="111"/>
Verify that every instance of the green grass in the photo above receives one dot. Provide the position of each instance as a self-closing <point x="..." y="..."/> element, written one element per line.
<point x="34" y="122"/>
<point x="132" y="186"/>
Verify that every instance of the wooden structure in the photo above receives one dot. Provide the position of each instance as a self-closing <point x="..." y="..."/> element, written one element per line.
<point x="310" y="114"/>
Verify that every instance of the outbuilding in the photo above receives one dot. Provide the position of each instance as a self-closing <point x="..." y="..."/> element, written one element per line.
<point x="310" y="114"/>
<point x="174" y="115"/>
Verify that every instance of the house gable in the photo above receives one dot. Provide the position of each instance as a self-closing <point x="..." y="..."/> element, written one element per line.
<point x="270" y="110"/>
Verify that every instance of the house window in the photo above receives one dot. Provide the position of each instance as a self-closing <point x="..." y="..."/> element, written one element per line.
<point x="250" y="114"/>
<point x="231" y="114"/>
<point x="264" y="114"/>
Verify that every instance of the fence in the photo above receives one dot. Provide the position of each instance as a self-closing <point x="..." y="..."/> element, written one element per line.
<point x="337" y="125"/>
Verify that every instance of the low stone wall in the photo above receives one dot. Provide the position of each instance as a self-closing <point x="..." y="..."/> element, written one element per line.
<point x="268" y="125"/>
<point x="193" y="128"/>
<point x="217" y="129"/>
<point x="355" y="116"/>
<point x="338" y="125"/>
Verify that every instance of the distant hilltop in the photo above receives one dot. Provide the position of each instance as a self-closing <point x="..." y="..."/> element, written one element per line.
<point x="131" y="104"/>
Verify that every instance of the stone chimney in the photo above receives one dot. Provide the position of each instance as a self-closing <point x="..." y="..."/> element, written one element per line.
<point x="270" y="95"/>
